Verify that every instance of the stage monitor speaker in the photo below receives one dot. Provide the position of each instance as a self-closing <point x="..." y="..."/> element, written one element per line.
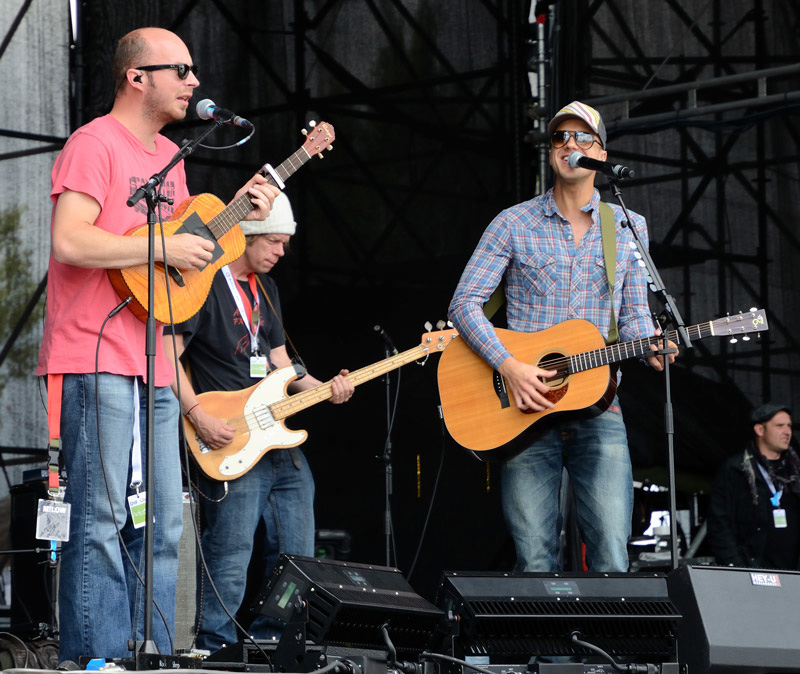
<point x="33" y="603"/>
<point x="512" y="617"/>
<point x="347" y="603"/>
<point x="737" y="620"/>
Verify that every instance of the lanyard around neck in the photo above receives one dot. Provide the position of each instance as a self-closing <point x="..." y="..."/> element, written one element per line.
<point x="252" y="315"/>
<point x="776" y="493"/>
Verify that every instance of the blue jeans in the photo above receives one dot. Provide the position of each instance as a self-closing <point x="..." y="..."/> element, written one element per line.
<point x="274" y="491"/>
<point x="101" y="602"/>
<point x="595" y="454"/>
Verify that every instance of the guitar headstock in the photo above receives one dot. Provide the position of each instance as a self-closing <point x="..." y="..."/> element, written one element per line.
<point x="438" y="341"/>
<point x="742" y="323"/>
<point x="320" y="138"/>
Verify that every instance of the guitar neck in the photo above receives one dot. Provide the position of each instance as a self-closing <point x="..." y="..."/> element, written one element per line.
<point x="239" y="208"/>
<point x="300" y="401"/>
<point x="632" y="349"/>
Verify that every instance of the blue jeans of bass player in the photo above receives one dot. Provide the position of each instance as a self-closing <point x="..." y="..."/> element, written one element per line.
<point x="101" y="601"/>
<point x="595" y="454"/>
<point x="274" y="491"/>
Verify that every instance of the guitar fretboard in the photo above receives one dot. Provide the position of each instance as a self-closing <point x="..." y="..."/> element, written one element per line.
<point x="753" y="321"/>
<point x="305" y="399"/>
<point x="222" y="223"/>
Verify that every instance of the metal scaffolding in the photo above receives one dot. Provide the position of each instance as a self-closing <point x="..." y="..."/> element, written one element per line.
<point x="698" y="109"/>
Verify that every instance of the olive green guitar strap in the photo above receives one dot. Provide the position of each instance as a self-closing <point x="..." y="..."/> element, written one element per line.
<point x="608" y="234"/>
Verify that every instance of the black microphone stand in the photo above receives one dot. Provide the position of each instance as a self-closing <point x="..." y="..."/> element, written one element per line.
<point x="671" y="316"/>
<point x="387" y="463"/>
<point x="149" y="191"/>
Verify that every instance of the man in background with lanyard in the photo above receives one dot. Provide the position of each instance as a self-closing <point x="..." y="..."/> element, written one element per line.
<point x="230" y="345"/>
<point x="754" y="518"/>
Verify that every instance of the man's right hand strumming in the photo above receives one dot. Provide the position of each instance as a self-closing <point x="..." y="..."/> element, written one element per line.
<point x="212" y="430"/>
<point x="186" y="251"/>
<point x="526" y="385"/>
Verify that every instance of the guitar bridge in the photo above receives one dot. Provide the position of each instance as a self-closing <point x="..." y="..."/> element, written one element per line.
<point x="500" y="390"/>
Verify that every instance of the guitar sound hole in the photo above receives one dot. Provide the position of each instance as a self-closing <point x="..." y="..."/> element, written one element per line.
<point x="555" y="361"/>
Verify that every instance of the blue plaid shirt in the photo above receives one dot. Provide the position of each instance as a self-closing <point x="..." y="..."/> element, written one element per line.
<point x="548" y="279"/>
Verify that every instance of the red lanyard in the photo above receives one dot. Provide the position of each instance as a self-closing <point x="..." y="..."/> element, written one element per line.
<point x="253" y="312"/>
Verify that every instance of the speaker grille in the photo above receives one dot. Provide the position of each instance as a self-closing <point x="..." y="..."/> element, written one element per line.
<point x="515" y="617"/>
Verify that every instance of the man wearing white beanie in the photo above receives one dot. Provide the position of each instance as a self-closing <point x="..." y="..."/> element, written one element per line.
<point x="231" y="344"/>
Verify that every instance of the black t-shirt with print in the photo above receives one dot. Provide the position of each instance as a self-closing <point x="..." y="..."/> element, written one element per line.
<point x="217" y="338"/>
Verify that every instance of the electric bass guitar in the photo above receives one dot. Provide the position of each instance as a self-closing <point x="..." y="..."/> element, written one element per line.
<point x="204" y="215"/>
<point x="257" y="413"/>
<point x="480" y="412"/>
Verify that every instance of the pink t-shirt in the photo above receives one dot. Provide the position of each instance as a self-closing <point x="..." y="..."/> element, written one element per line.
<point x="106" y="161"/>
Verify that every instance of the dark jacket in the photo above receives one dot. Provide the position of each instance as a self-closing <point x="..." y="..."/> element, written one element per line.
<point x="740" y="512"/>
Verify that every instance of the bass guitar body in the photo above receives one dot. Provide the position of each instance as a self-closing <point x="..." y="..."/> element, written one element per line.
<point x="188" y="289"/>
<point x="258" y="431"/>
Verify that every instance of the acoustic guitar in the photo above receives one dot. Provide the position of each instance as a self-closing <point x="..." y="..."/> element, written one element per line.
<point x="206" y="216"/>
<point x="480" y="412"/>
<point x="257" y="413"/>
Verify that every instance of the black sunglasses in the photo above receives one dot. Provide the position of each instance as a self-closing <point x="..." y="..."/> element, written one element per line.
<point x="583" y="139"/>
<point x="182" y="69"/>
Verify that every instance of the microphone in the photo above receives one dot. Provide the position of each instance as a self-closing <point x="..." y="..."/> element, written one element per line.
<point x="207" y="109"/>
<point x="386" y="339"/>
<point x="576" y="159"/>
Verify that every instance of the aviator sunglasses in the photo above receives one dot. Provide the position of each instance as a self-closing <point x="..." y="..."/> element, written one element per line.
<point x="182" y="69"/>
<point x="583" y="139"/>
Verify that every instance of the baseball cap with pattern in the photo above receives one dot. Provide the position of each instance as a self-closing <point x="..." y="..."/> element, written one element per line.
<point x="586" y="113"/>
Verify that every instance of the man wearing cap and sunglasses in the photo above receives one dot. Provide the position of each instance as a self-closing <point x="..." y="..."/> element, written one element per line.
<point x="101" y="600"/>
<point x="754" y="513"/>
<point x="549" y="251"/>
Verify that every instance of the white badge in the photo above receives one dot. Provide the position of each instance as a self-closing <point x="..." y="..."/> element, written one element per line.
<point x="138" y="506"/>
<point x="779" y="517"/>
<point x="52" y="520"/>
<point x="258" y="367"/>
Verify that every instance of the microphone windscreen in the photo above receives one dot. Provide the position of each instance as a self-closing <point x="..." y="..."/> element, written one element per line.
<point x="573" y="159"/>
<point x="202" y="108"/>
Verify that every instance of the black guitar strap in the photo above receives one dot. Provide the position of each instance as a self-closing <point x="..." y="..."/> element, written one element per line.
<point x="292" y="450"/>
<point x="280" y="322"/>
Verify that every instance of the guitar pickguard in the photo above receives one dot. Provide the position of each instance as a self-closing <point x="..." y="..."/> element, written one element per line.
<point x="194" y="225"/>
<point x="265" y="432"/>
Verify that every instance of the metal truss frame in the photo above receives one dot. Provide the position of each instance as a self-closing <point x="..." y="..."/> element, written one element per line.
<point x="731" y="96"/>
<point x="491" y="103"/>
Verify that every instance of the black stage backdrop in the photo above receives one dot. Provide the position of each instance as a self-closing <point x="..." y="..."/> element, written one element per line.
<point x="430" y="105"/>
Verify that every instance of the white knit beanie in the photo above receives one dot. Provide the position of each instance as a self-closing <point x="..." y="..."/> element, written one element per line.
<point x="279" y="221"/>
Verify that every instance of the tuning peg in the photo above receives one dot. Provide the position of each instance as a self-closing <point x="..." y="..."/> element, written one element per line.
<point x="330" y="147"/>
<point x="746" y="338"/>
<point x="427" y="325"/>
<point x="320" y="155"/>
<point x="440" y="325"/>
<point x="304" y="132"/>
<point x="733" y="340"/>
<point x="753" y="309"/>
<point x="312" y="123"/>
